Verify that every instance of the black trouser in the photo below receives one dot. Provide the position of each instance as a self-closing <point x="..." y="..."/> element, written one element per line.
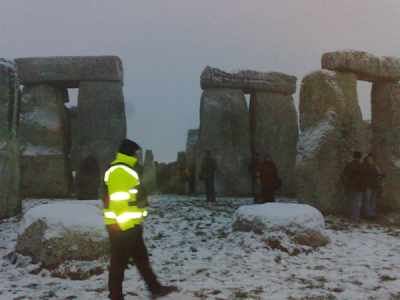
<point x="267" y="195"/>
<point x="126" y="244"/>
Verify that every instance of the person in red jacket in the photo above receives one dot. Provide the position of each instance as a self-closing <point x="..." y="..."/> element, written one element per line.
<point x="268" y="175"/>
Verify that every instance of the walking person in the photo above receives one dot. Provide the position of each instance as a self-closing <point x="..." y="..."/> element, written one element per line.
<point x="372" y="184"/>
<point x="268" y="176"/>
<point x="207" y="173"/>
<point x="124" y="209"/>
<point x="354" y="178"/>
<point x="255" y="187"/>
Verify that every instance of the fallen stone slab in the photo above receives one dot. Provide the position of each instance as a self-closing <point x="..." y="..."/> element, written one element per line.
<point x="68" y="71"/>
<point x="248" y="81"/>
<point x="366" y="66"/>
<point x="63" y="231"/>
<point x="303" y="223"/>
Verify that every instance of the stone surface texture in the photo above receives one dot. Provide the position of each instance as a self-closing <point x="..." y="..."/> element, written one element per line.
<point x="10" y="191"/>
<point x="249" y="81"/>
<point x="303" y="224"/>
<point x="274" y="129"/>
<point x="331" y="130"/>
<point x="68" y="71"/>
<point x="45" y="142"/>
<point x="149" y="173"/>
<point x="366" y="66"/>
<point x="101" y="123"/>
<point x="385" y="107"/>
<point x="224" y="130"/>
<point x="54" y="233"/>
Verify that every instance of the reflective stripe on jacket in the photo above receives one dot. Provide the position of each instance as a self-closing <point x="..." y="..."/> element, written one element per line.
<point x="121" y="180"/>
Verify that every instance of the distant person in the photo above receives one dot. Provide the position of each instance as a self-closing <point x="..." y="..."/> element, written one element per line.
<point x="355" y="181"/>
<point x="207" y="173"/>
<point x="255" y="187"/>
<point x="373" y="179"/>
<point x="183" y="179"/>
<point x="268" y="176"/>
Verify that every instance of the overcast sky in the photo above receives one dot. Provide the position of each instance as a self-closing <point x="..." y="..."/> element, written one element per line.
<point x="165" y="45"/>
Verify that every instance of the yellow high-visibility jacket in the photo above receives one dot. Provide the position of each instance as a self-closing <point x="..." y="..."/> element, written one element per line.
<point x="122" y="181"/>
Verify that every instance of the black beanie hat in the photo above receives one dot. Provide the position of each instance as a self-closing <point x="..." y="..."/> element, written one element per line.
<point x="128" y="147"/>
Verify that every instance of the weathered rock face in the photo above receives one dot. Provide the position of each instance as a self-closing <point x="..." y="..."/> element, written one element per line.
<point x="149" y="173"/>
<point x="332" y="129"/>
<point x="191" y="144"/>
<point x="366" y="66"/>
<point x="385" y="106"/>
<point x="101" y="123"/>
<point x="224" y="130"/>
<point x="248" y="81"/>
<point x="45" y="136"/>
<point x="10" y="192"/>
<point x="54" y="233"/>
<point x="303" y="224"/>
<point x="68" y="71"/>
<point x="191" y="150"/>
<point x="181" y="159"/>
<point x="274" y="129"/>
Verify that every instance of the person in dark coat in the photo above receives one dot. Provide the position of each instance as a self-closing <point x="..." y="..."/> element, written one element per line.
<point x="354" y="178"/>
<point x="255" y="187"/>
<point x="268" y="175"/>
<point x="207" y="173"/>
<point x="372" y="184"/>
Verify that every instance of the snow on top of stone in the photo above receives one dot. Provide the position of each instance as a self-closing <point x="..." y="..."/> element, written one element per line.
<point x="76" y="216"/>
<point x="7" y="63"/>
<point x="32" y="150"/>
<point x="281" y="215"/>
<point x="42" y="117"/>
<point x="310" y="140"/>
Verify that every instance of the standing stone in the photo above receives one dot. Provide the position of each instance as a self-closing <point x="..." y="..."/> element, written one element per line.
<point x="274" y="129"/>
<point x="181" y="159"/>
<point x="385" y="106"/>
<point x="332" y="129"/>
<point x="101" y="122"/>
<point x="224" y="130"/>
<point x="10" y="196"/>
<point x="149" y="173"/>
<point x="191" y="149"/>
<point x="45" y="141"/>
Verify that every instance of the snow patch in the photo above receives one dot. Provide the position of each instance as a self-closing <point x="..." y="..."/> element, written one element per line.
<point x="77" y="216"/>
<point x="31" y="150"/>
<point x="42" y="117"/>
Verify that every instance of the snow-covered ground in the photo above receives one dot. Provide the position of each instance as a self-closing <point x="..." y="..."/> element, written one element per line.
<point x="192" y="246"/>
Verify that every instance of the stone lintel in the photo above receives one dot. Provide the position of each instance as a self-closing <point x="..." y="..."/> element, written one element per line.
<point x="248" y="81"/>
<point x="68" y="71"/>
<point x="365" y="66"/>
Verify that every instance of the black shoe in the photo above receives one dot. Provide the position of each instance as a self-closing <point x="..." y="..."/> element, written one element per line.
<point x="164" y="290"/>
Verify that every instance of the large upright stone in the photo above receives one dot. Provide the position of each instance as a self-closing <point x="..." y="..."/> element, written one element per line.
<point x="45" y="141"/>
<point x="10" y="196"/>
<point x="149" y="173"/>
<point x="191" y="150"/>
<point x="274" y="129"/>
<point x="68" y="71"/>
<point x="224" y="130"/>
<point x="365" y="65"/>
<point x="248" y="81"/>
<point x="101" y="123"/>
<point x="181" y="159"/>
<point x="332" y="129"/>
<point x="385" y="107"/>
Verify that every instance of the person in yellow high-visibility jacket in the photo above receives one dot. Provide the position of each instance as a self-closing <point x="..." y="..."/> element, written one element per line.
<point x="124" y="209"/>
